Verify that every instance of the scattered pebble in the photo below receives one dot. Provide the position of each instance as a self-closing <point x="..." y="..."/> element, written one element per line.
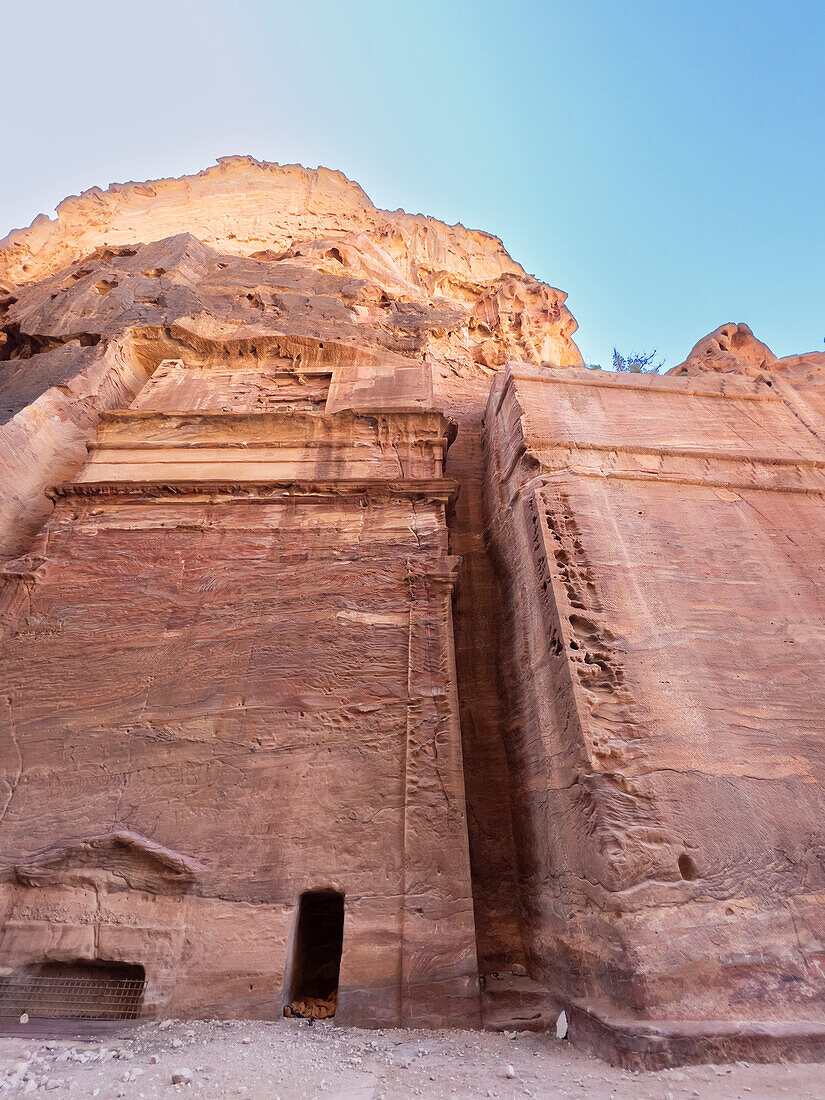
<point x="250" y="1059"/>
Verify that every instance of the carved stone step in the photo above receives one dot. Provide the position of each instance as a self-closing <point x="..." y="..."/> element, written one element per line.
<point x="513" y="1003"/>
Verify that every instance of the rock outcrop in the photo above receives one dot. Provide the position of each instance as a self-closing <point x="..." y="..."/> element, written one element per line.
<point x="362" y="654"/>
<point x="729" y="348"/>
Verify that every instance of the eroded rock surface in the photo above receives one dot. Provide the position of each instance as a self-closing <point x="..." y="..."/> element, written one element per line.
<point x="660" y="544"/>
<point x="262" y="265"/>
<point x="253" y="357"/>
<point x="330" y="574"/>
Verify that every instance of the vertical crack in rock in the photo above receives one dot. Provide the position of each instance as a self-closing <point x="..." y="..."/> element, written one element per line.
<point x="13" y="779"/>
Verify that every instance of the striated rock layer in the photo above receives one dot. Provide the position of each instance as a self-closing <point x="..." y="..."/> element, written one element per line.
<point x="660" y="546"/>
<point x="357" y="642"/>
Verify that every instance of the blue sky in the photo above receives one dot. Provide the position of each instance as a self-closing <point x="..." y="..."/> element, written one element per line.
<point x="661" y="160"/>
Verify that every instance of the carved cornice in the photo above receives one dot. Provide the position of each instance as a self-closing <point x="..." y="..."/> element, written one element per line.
<point x="443" y="490"/>
<point x="277" y="417"/>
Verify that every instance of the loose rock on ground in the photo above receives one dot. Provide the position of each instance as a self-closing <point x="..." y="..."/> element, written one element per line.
<point x="293" y="1060"/>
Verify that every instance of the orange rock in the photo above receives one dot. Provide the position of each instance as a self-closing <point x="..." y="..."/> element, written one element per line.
<point x="729" y="348"/>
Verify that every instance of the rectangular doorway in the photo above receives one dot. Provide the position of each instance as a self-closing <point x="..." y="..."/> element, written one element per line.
<point x="316" y="961"/>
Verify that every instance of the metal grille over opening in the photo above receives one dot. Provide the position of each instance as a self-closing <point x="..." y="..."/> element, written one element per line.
<point x="317" y="960"/>
<point x="75" y="991"/>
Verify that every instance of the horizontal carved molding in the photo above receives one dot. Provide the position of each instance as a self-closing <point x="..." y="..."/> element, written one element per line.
<point x="443" y="490"/>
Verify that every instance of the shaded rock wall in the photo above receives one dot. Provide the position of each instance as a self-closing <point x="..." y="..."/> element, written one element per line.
<point x="660" y="541"/>
<point x="237" y="625"/>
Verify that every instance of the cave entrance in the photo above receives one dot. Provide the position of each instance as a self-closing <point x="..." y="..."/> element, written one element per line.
<point x="316" y="962"/>
<point x="79" y="990"/>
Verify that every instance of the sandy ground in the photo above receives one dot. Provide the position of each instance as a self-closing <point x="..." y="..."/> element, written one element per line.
<point x="291" y="1059"/>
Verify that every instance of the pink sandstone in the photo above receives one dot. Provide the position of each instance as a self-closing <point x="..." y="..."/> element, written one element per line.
<point x="347" y="617"/>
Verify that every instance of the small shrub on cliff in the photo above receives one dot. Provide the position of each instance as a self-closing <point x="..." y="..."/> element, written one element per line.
<point x="640" y="363"/>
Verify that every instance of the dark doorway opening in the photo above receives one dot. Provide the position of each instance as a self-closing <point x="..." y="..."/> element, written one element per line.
<point x="80" y="990"/>
<point x="317" y="958"/>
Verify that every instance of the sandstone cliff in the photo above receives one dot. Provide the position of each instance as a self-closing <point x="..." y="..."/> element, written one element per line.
<point x="245" y="256"/>
<point x="279" y="268"/>
<point x="342" y="606"/>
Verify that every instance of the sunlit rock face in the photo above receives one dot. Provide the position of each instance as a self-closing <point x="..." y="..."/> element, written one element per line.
<point x="250" y="258"/>
<point x="363" y="654"/>
<point x="730" y="348"/>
